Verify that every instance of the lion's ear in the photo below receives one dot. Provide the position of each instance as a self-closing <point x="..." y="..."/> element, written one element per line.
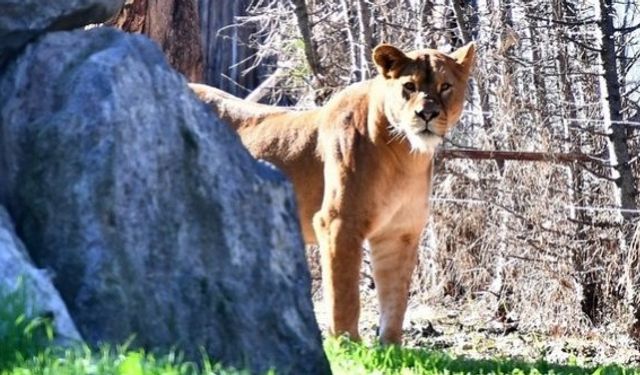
<point x="465" y="56"/>
<point x="389" y="60"/>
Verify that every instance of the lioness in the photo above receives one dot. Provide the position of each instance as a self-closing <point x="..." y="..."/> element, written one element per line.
<point x="361" y="168"/>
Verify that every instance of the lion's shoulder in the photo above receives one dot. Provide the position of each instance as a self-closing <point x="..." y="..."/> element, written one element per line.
<point x="343" y="122"/>
<point x="352" y="96"/>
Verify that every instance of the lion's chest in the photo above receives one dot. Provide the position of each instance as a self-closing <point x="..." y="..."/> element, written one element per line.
<point x="402" y="204"/>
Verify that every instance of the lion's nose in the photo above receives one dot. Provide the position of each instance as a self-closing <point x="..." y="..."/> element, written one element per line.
<point x="430" y="110"/>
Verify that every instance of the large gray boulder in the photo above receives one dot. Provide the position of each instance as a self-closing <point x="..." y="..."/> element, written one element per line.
<point x="23" y="20"/>
<point x="17" y="270"/>
<point x="154" y="218"/>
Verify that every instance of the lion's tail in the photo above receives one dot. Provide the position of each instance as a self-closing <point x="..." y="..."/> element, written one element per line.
<point x="232" y="109"/>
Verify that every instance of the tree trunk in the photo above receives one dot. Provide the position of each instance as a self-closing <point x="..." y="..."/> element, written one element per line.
<point x="538" y="62"/>
<point x="228" y="59"/>
<point x="365" y="38"/>
<point x="355" y="74"/>
<point x="310" y="51"/>
<point x="174" y="25"/>
<point x="460" y="21"/>
<point x="613" y="104"/>
<point x="617" y="142"/>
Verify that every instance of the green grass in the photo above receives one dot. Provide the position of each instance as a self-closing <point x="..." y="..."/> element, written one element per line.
<point x="106" y="361"/>
<point x="346" y="358"/>
<point x="20" y="336"/>
<point x="354" y="358"/>
<point x="25" y="350"/>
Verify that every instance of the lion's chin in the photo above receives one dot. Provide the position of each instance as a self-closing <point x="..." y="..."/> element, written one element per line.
<point x="424" y="141"/>
<point x="421" y="139"/>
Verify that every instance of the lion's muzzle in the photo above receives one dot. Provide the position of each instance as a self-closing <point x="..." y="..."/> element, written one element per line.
<point x="430" y="110"/>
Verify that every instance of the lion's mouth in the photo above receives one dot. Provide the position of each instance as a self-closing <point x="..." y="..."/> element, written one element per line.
<point x="427" y="131"/>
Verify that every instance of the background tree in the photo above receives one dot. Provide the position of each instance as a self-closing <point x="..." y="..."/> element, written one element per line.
<point x="231" y="63"/>
<point x="173" y="25"/>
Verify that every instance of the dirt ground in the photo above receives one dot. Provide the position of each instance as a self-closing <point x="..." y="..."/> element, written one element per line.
<point x="461" y="332"/>
<point x="471" y="331"/>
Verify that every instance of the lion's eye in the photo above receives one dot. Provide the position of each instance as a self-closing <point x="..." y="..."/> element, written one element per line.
<point x="409" y="86"/>
<point x="444" y="87"/>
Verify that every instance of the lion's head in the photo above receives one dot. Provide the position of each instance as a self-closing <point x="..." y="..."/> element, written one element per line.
<point x="424" y="92"/>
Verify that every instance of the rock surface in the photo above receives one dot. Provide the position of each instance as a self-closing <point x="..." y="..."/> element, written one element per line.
<point x="154" y="218"/>
<point x="23" y="20"/>
<point x="43" y="299"/>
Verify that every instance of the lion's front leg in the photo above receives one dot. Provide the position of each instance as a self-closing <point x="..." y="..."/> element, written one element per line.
<point x="393" y="260"/>
<point x="341" y="255"/>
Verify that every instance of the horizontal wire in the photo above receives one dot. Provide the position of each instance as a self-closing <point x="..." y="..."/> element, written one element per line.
<point x="636" y="123"/>
<point x="566" y="206"/>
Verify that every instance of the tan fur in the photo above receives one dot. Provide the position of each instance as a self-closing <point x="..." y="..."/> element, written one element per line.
<point x="361" y="168"/>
